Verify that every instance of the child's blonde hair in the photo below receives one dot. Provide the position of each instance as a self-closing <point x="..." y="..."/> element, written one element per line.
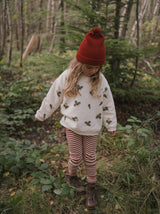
<point x="72" y="88"/>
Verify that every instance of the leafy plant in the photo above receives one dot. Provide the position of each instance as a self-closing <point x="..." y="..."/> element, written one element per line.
<point x="130" y="175"/>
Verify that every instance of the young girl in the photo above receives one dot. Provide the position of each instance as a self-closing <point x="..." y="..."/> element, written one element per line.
<point x="86" y="102"/>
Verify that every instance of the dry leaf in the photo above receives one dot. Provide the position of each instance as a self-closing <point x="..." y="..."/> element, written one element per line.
<point x="6" y="174"/>
<point x="104" y="210"/>
<point x="13" y="193"/>
<point x="64" y="165"/>
<point x="153" y="178"/>
<point x="51" y="202"/>
<point x="102" y="196"/>
<point x="30" y="178"/>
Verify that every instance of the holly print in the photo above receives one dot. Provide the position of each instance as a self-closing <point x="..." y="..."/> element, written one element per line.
<point x="106" y="89"/>
<point x="88" y="123"/>
<point x="75" y="118"/>
<point x="76" y="103"/>
<point x="105" y="108"/>
<point x="58" y="93"/>
<point x="104" y="95"/>
<point x="50" y="106"/>
<point x="91" y="93"/>
<point x="98" y="116"/>
<point x="89" y="106"/>
<point x="79" y="87"/>
<point x="44" y="116"/>
<point x="101" y="103"/>
<point x="65" y="105"/>
<point x="108" y="121"/>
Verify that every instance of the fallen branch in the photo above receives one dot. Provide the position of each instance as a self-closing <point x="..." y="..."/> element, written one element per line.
<point x="29" y="47"/>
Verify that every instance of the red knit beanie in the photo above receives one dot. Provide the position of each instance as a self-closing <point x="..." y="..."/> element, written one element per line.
<point x="92" y="50"/>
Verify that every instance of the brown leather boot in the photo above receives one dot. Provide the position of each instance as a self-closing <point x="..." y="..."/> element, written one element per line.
<point x="91" y="201"/>
<point x="75" y="181"/>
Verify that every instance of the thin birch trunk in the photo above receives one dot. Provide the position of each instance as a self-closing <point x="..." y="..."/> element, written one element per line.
<point x="25" y="18"/>
<point x="117" y="19"/>
<point x="115" y="61"/>
<point x="10" y="32"/>
<point x="22" y="33"/>
<point x="52" y="16"/>
<point x="156" y="8"/>
<point x="137" y="57"/>
<point x="62" y="39"/>
<point x="48" y="16"/>
<point x="3" y="27"/>
<point x="39" y="40"/>
<point x="106" y="13"/>
<point x="142" y="12"/>
<point x="53" y="39"/>
<point x="17" y="25"/>
<point x="126" y="16"/>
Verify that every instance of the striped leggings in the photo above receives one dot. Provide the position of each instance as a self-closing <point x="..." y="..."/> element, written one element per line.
<point x="82" y="148"/>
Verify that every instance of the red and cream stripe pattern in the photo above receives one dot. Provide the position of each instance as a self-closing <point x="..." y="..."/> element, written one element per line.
<point x="82" y="148"/>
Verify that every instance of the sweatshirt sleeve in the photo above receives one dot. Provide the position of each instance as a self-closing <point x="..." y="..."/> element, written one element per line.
<point x="53" y="98"/>
<point x="109" y="112"/>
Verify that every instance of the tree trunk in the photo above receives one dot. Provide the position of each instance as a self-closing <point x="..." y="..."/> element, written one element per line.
<point x="142" y="11"/>
<point x="137" y="57"/>
<point x="126" y="19"/>
<point x="39" y="30"/>
<point x="115" y="61"/>
<point x="106" y="14"/>
<point x="52" y="16"/>
<point x="17" y="25"/>
<point x="26" y="28"/>
<point x="117" y="19"/>
<point x="3" y="27"/>
<point x="48" y="16"/>
<point x="53" y="39"/>
<point x="62" y="39"/>
<point x="22" y="32"/>
<point x="10" y="32"/>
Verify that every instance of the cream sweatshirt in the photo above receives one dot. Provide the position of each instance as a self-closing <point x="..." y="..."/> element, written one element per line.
<point x="83" y="114"/>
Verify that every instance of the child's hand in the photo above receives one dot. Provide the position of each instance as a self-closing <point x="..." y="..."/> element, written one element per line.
<point x="37" y="119"/>
<point x="112" y="134"/>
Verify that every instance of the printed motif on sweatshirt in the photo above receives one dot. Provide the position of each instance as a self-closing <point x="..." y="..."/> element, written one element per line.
<point x="66" y="106"/>
<point x="108" y="121"/>
<point x="59" y="93"/>
<point x="88" y="123"/>
<point x="76" y="103"/>
<point x="75" y="118"/>
<point x="79" y="87"/>
<point x="98" y="116"/>
<point x="105" y="108"/>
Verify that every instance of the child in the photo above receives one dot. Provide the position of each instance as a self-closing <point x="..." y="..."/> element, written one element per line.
<point x="86" y="101"/>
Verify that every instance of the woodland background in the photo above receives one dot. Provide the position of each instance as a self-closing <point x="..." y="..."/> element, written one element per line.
<point x="37" y="41"/>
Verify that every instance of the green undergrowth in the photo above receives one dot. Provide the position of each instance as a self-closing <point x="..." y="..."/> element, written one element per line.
<point x="33" y="176"/>
<point x="129" y="175"/>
